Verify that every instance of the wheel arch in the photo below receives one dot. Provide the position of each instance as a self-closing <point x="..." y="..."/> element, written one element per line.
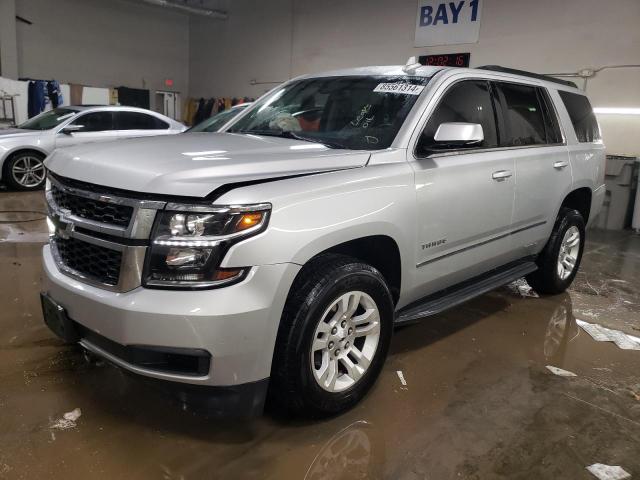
<point x="580" y="200"/>
<point x="12" y="153"/>
<point x="380" y="251"/>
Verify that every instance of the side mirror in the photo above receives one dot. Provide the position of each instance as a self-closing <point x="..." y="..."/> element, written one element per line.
<point x="459" y="134"/>
<point x="69" y="129"/>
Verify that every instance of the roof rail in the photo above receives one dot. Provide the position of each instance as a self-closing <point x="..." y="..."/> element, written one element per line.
<point x="524" y="73"/>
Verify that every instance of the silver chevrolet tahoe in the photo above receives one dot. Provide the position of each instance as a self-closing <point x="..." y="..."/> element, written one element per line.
<point x="273" y="259"/>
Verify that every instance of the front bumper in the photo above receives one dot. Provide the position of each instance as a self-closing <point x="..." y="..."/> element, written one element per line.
<point x="237" y="325"/>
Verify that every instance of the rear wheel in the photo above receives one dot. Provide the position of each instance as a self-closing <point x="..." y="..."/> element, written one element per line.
<point x="559" y="261"/>
<point x="333" y="338"/>
<point x="25" y="171"/>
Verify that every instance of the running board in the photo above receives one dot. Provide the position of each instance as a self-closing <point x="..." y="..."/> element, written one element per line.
<point x="441" y="301"/>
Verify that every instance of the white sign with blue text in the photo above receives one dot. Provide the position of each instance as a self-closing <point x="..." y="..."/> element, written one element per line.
<point x="442" y="22"/>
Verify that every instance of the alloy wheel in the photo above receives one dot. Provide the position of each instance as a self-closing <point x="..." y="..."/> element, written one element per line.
<point x="569" y="250"/>
<point x="345" y="341"/>
<point x="28" y="171"/>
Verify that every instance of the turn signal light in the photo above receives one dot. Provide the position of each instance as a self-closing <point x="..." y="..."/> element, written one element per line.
<point x="249" y="220"/>
<point x="226" y="274"/>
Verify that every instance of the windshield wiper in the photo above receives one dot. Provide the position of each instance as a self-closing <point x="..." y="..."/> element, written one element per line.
<point x="293" y="135"/>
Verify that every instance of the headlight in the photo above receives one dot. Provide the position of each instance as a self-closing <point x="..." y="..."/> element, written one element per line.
<point x="189" y="242"/>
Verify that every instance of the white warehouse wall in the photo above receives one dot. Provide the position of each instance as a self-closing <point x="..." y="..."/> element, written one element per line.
<point x="274" y="40"/>
<point x="103" y="43"/>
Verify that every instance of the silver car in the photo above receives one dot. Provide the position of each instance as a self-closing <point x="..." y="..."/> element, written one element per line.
<point x="277" y="255"/>
<point x="24" y="148"/>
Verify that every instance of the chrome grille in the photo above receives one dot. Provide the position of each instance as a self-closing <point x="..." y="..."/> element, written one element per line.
<point x="96" y="210"/>
<point x="100" y="237"/>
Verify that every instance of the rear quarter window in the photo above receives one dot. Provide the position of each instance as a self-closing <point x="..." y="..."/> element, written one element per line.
<point x="582" y="117"/>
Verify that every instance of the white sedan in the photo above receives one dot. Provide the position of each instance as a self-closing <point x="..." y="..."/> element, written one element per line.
<point x="24" y="148"/>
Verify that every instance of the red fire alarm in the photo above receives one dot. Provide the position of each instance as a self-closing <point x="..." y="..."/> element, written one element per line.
<point x="168" y="82"/>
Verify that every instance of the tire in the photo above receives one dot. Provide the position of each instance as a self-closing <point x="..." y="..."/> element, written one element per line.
<point x="25" y="171"/>
<point x="550" y="278"/>
<point x="311" y="318"/>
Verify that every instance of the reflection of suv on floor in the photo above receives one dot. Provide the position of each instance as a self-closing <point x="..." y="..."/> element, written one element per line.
<point x="282" y="251"/>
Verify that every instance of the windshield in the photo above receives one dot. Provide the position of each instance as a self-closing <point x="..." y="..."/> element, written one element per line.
<point x="48" y="120"/>
<point x="214" y="123"/>
<point x="355" y="112"/>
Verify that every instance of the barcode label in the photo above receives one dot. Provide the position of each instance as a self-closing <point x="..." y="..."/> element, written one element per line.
<point x="404" y="88"/>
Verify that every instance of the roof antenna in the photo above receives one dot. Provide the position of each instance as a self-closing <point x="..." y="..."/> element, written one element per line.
<point x="411" y="66"/>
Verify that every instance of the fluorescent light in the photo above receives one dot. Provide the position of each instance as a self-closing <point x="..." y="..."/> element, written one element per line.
<point x="617" y="111"/>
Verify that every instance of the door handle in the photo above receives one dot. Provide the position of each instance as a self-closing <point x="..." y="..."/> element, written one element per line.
<point x="561" y="164"/>
<point x="501" y="175"/>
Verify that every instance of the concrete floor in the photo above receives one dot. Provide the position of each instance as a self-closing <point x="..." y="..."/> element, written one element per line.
<point x="479" y="403"/>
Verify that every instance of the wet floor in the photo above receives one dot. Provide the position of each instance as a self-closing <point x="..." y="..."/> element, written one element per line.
<point x="478" y="401"/>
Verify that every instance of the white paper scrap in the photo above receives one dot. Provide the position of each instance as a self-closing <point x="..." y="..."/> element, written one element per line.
<point x="604" y="334"/>
<point x="608" y="472"/>
<point x="522" y="288"/>
<point x="68" y="420"/>
<point x="560" y="372"/>
<point x="401" y="377"/>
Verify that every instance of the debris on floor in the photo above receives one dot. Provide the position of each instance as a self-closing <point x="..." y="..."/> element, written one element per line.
<point x="604" y="334"/>
<point x="522" y="288"/>
<point x="68" y="420"/>
<point x="608" y="472"/>
<point x="560" y="372"/>
<point x="401" y="377"/>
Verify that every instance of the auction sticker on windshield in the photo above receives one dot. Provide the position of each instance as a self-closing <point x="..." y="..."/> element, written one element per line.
<point x="404" y="88"/>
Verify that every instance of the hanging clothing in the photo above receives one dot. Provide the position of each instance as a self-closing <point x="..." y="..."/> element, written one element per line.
<point x="37" y="97"/>
<point x="189" y="111"/>
<point x="134" y="97"/>
<point x="199" y="116"/>
<point x="208" y="107"/>
<point x="113" y="96"/>
<point x="227" y="103"/>
<point x="54" y="93"/>
<point x="76" y="94"/>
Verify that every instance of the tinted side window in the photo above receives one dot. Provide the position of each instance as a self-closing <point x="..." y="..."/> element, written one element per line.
<point x="139" y="121"/>
<point x="523" y="115"/>
<point x="468" y="101"/>
<point x="95" y="122"/>
<point x="582" y="116"/>
<point x="552" y="126"/>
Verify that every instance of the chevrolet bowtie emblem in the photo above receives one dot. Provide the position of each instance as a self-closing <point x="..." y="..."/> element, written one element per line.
<point x="65" y="232"/>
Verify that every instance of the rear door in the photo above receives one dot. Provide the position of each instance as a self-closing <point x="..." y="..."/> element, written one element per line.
<point x="532" y="135"/>
<point x="92" y="127"/>
<point x="138" y="124"/>
<point x="464" y="195"/>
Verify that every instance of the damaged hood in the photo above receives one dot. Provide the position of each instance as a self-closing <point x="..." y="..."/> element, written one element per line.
<point x="195" y="164"/>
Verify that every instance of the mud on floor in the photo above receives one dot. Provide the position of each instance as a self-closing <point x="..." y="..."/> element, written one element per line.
<point x="474" y="399"/>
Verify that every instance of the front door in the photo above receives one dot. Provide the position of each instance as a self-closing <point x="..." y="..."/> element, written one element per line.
<point x="91" y="127"/>
<point x="464" y="195"/>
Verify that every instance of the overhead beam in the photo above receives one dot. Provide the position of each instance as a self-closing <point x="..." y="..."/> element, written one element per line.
<point x="206" y="12"/>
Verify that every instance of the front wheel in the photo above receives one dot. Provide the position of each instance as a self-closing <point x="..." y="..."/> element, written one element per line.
<point x="333" y="338"/>
<point x="559" y="261"/>
<point x="25" y="171"/>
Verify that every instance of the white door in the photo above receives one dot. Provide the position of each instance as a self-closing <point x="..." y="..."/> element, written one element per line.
<point x="168" y="104"/>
